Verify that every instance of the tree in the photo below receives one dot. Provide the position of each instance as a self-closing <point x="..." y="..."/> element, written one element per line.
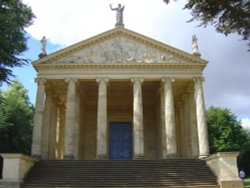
<point x="225" y="131"/>
<point x="227" y="134"/>
<point x="244" y="158"/>
<point x="16" y="118"/>
<point x="227" y="16"/>
<point x="14" y="18"/>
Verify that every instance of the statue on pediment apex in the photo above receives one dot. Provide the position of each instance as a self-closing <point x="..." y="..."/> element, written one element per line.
<point x="119" y="14"/>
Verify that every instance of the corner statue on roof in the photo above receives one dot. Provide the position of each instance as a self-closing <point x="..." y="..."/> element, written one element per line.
<point x="195" y="48"/>
<point x="119" y="14"/>
<point x="43" y="47"/>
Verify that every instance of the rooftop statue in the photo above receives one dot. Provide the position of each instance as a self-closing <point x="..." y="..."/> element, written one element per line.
<point x="119" y="14"/>
<point x="43" y="47"/>
<point x="195" y="48"/>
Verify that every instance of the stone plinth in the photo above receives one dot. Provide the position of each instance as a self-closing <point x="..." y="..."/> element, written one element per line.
<point x="224" y="166"/>
<point x="15" y="167"/>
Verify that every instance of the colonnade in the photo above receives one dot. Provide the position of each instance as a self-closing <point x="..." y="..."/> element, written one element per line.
<point x="45" y="107"/>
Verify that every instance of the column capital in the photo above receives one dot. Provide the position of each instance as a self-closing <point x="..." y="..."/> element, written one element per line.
<point x="199" y="79"/>
<point x="40" y="81"/>
<point x="98" y="80"/>
<point x="168" y="79"/>
<point x="137" y="80"/>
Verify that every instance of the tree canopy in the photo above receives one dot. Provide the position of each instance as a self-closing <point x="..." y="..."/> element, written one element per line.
<point x="225" y="131"/>
<point x="226" y="134"/>
<point x="16" y="120"/>
<point x="227" y="16"/>
<point x="14" y="18"/>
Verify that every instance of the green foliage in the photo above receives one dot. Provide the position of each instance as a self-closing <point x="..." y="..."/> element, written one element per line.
<point x="227" y="16"/>
<point x="247" y="182"/>
<point x="16" y="118"/>
<point x="227" y="134"/>
<point x="225" y="131"/>
<point x="14" y="18"/>
<point x="244" y="158"/>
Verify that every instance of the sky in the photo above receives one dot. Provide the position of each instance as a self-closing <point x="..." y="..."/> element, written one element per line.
<point x="65" y="22"/>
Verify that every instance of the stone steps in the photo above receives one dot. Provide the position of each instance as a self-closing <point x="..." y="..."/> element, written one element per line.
<point x="173" y="173"/>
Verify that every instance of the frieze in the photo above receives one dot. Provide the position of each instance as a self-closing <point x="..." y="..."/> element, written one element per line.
<point x="119" y="49"/>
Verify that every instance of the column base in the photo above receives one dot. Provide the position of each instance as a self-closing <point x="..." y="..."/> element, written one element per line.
<point x="138" y="157"/>
<point x="68" y="157"/>
<point x="171" y="156"/>
<point x="101" y="157"/>
<point x="203" y="156"/>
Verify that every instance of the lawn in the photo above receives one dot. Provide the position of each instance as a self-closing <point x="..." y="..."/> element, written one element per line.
<point x="247" y="182"/>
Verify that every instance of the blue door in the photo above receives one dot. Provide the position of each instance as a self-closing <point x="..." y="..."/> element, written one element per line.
<point x="120" y="141"/>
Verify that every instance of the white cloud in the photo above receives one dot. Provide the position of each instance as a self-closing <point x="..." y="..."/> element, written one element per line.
<point x="65" y="22"/>
<point x="245" y="122"/>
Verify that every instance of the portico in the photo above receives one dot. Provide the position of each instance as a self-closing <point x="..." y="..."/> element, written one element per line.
<point x="120" y="77"/>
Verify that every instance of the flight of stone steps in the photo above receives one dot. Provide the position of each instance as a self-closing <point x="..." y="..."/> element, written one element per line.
<point x="174" y="173"/>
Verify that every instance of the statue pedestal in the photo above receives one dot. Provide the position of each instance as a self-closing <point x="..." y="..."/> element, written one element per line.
<point x="224" y="166"/>
<point x="15" y="167"/>
<point x="119" y="25"/>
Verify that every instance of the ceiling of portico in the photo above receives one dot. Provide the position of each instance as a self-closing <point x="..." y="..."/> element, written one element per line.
<point x="119" y="92"/>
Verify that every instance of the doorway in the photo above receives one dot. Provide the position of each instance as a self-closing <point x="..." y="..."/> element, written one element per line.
<point x="120" y="147"/>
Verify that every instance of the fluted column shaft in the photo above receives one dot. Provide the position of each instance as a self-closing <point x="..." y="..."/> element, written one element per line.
<point x="38" y="119"/>
<point x="201" y="118"/>
<point x="101" y="148"/>
<point x="169" y="117"/>
<point x="70" y="119"/>
<point x="138" y="137"/>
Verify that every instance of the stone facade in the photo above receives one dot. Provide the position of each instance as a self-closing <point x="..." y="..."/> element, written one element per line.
<point x="119" y="76"/>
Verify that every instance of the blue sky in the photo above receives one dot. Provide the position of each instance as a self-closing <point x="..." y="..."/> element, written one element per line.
<point x="66" y="22"/>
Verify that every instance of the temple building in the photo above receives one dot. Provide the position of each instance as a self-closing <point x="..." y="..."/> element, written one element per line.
<point x="120" y="96"/>
<point x="120" y="110"/>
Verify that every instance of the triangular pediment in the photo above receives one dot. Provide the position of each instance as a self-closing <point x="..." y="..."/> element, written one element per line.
<point x="119" y="45"/>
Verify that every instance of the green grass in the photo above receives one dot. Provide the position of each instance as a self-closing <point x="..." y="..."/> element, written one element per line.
<point x="247" y="182"/>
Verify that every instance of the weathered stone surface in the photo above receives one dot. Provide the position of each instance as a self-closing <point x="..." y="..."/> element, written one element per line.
<point x="120" y="49"/>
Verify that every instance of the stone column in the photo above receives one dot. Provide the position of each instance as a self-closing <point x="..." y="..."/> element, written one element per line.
<point x="180" y="135"/>
<point x="193" y="125"/>
<point x="163" y="148"/>
<point x="61" y="136"/>
<point x="187" y="127"/>
<point x="138" y="137"/>
<point x="38" y="119"/>
<point x="201" y="118"/>
<point x="70" y="119"/>
<point x="77" y="128"/>
<point x="169" y="117"/>
<point x="53" y="130"/>
<point x="46" y="126"/>
<point x="101" y="148"/>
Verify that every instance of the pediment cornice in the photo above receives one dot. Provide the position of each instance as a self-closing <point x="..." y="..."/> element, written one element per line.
<point x="175" y="66"/>
<point x="153" y="44"/>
